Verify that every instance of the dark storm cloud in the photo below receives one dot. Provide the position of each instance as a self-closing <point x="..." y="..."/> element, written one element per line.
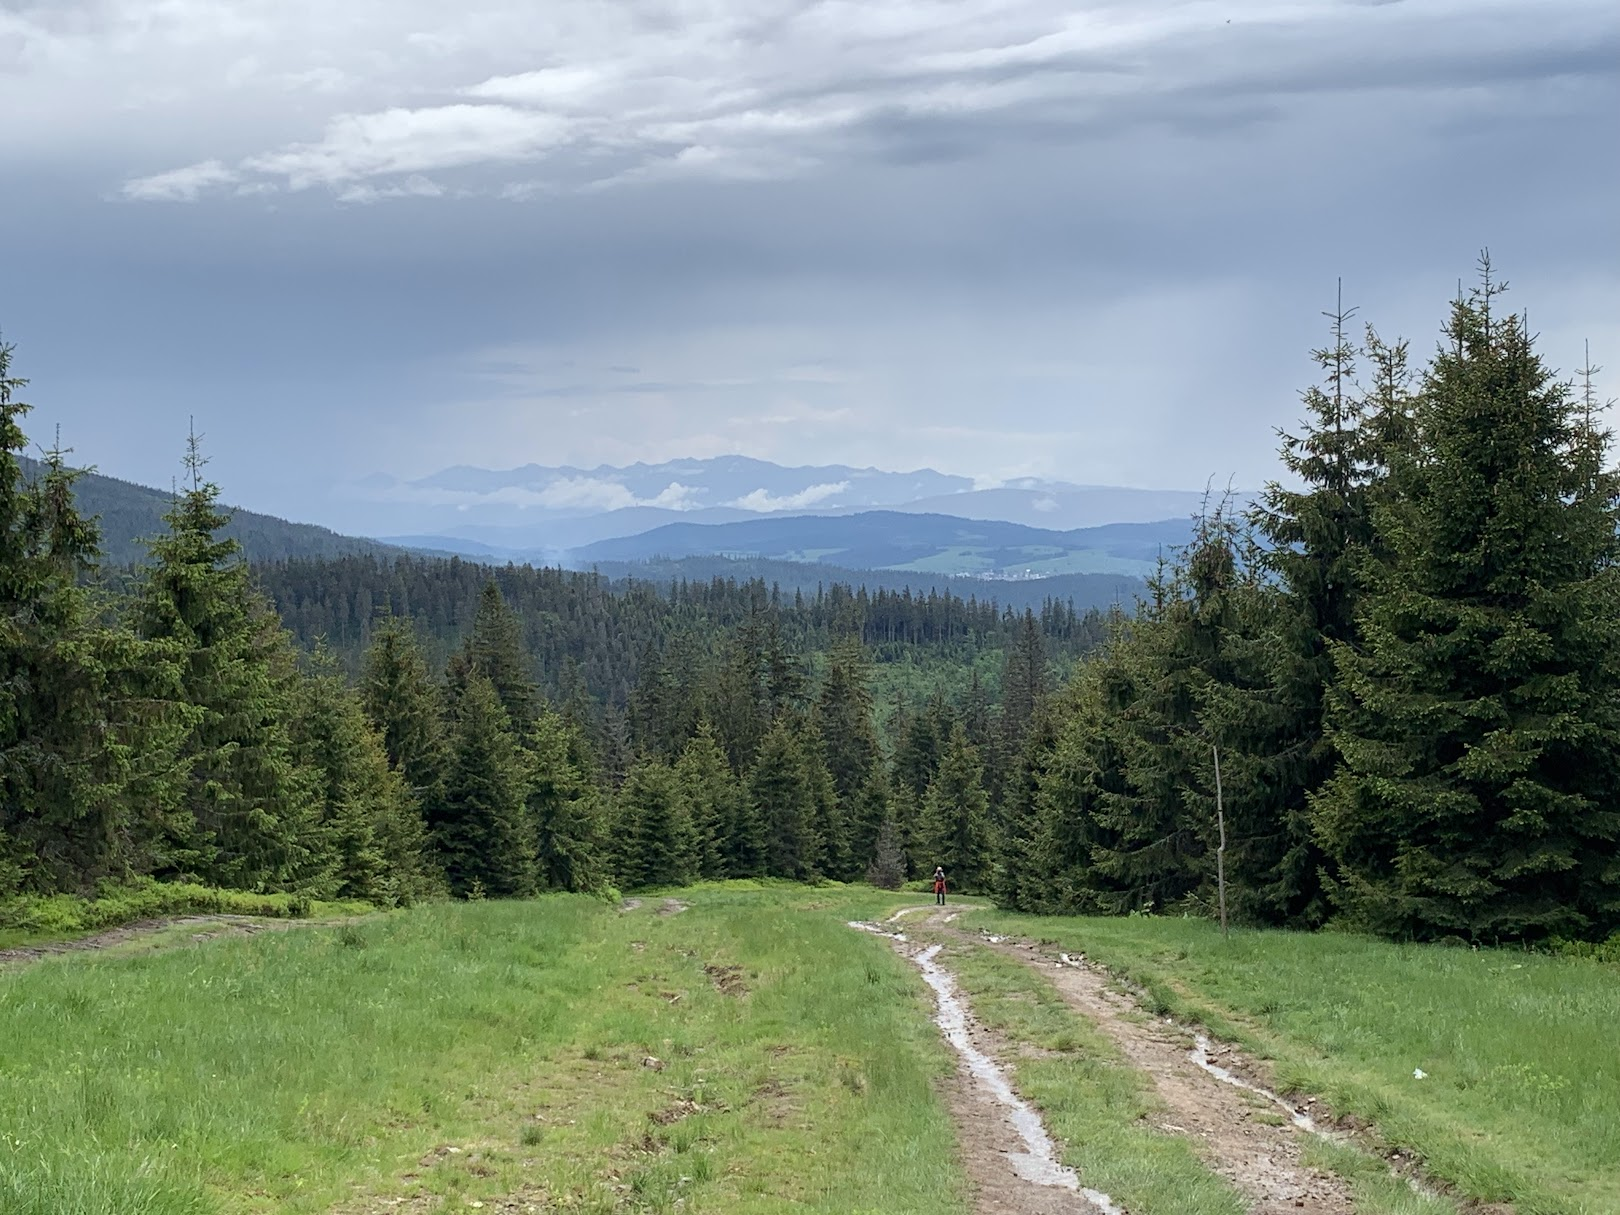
<point x="1003" y="238"/>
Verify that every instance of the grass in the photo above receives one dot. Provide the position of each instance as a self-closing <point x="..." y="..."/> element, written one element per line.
<point x="1091" y="1099"/>
<point x="37" y="920"/>
<point x="461" y="1053"/>
<point x="1521" y="1097"/>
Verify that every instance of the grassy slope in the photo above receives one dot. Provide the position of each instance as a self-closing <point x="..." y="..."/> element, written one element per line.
<point x="304" y="1071"/>
<point x="1521" y="1100"/>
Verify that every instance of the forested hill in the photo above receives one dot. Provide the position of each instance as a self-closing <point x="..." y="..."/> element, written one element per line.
<point x="583" y="634"/>
<point x="130" y="513"/>
<point x="1084" y="591"/>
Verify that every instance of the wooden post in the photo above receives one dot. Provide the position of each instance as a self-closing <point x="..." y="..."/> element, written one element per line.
<point x="1220" y="853"/>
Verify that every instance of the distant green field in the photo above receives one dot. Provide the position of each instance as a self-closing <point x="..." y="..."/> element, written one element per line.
<point x="1520" y="1053"/>
<point x="1036" y="561"/>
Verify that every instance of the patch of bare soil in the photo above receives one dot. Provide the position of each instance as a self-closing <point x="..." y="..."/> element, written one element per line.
<point x="727" y="980"/>
<point x="671" y="907"/>
<point x="1239" y="1133"/>
<point x="208" y="926"/>
<point x="629" y="904"/>
<point x="986" y="1142"/>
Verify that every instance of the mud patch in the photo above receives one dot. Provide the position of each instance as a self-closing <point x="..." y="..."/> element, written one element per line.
<point x="1009" y="1157"/>
<point x="1233" y="1124"/>
<point x="208" y="927"/>
<point x="629" y="905"/>
<point x="727" y="980"/>
<point x="671" y="907"/>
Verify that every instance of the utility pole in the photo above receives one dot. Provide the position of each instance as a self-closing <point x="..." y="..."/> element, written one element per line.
<point x="1220" y="853"/>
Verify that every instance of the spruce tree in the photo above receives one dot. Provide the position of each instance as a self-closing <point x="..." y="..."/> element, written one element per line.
<point x="1016" y="880"/>
<point x="715" y="802"/>
<point x="783" y="802"/>
<point x="887" y="870"/>
<point x="403" y="705"/>
<point x="919" y="748"/>
<point x="478" y="824"/>
<point x="1078" y="783"/>
<point x="1024" y="683"/>
<point x="1194" y="663"/>
<point x="843" y="718"/>
<point x="373" y="831"/>
<point x="564" y="808"/>
<point x="1478" y="718"/>
<point x="660" y="845"/>
<point x="494" y="649"/>
<point x="1319" y="532"/>
<point x="247" y="816"/>
<point x="87" y="755"/>
<point x="827" y="825"/>
<point x="956" y="816"/>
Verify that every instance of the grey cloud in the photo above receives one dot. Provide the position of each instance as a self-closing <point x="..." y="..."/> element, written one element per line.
<point x="997" y="251"/>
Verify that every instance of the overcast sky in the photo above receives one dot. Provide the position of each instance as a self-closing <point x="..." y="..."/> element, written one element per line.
<point x="1082" y="240"/>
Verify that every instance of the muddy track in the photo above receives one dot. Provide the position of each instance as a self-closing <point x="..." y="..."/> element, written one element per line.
<point x="207" y="927"/>
<point x="1011" y="1162"/>
<point x="1241" y="1133"/>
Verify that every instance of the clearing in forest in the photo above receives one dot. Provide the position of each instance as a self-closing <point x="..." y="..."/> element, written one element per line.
<point x="741" y="1049"/>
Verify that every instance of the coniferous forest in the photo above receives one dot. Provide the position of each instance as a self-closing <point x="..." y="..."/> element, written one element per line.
<point x="1396" y="675"/>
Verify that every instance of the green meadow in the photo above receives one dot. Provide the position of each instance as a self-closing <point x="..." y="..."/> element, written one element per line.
<point x="1520" y="1052"/>
<point x="744" y="1054"/>
<point x="751" y="1053"/>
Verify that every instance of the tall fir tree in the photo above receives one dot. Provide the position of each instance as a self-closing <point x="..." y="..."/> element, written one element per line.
<point x="849" y="746"/>
<point x="1318" y="532"/>
<point x="404" y="706"/>
<point x="659" y="844"/>
<point x="373" y="835"/>
<point x="716" y="804"/>
<point x="1478" y="716"/>
<point x="564" y="807"/>
<point x="783" y="802"/>
<point x="87" y="747"/>
<point x="956" y="816"/>
<point x="247" y="817"/>
<point x="478" y="824"/>
<point x="1077" y="783"/>
<point x="494" y="649"/>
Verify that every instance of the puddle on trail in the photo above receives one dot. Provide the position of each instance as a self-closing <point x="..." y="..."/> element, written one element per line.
<point x="1199" y="1054"/>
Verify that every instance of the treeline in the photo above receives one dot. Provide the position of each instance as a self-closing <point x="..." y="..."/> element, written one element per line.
<point x="578" y="629"/>
<point x="1388" y="694"/>
<point x="472" y="731"/>
<point x="169" y="731"/>
<point x="1405" y="661"/>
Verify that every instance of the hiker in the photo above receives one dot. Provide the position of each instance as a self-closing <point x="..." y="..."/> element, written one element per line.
<point x="939" y="885"/>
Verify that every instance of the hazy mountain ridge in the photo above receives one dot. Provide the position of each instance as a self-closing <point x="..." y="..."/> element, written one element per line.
<point x="130" y="513"/>
<point x="547" y="511"/>
<point x="902" y="541"/>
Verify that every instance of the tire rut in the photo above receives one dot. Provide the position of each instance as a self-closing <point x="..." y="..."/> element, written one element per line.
<point x="1238" y="1129"/>
<point x="1010" y="1160"/>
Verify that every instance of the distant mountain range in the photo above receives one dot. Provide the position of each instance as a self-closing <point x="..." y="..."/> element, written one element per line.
<point x="917" y="543"/>
<point x="1009" y="543"/>
<point x="549" y="513"/>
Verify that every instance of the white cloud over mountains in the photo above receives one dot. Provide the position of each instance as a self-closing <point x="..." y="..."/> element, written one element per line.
<point x="764" y="501"/>
<point x="1079" y="241"/>
<point x="587" y="94"/>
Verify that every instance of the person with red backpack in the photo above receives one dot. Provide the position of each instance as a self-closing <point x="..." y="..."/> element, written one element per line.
<point x="939" y="885"/>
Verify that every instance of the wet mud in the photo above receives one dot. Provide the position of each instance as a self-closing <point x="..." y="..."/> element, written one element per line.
<point x="1011" y="1160"/>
